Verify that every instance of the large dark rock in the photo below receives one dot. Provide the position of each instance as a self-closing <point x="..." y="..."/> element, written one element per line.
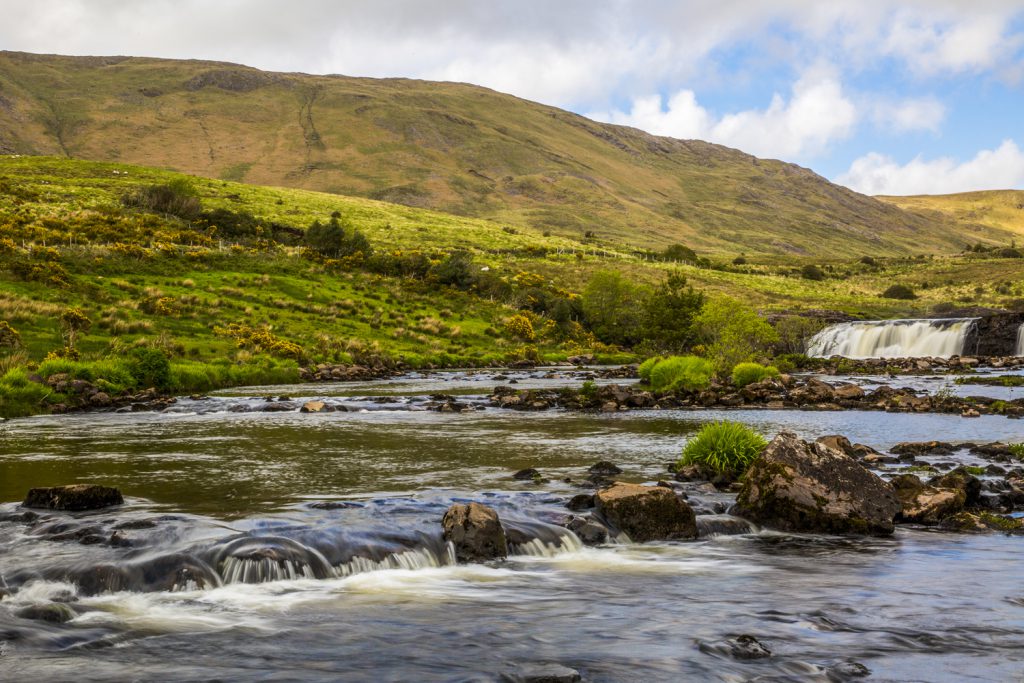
<point x="75" y="498"/>
<point x="475" y="531"/>
<point x="646" y="513"/>
<point x="797" y="486"/>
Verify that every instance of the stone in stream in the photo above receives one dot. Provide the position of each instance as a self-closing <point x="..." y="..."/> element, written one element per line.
<point x="542" y="673"/>
<point x="316" y="407"/>
<point x="52" y="612"/>
<point x="74" y="498"/>
<point x="797" y="486"/>
<point x="926" y="504"/>
<point x="475" y="531"/>
<point x="604" y="467"/>
<point x="646" y="513"/>
<point x="741" y="647"/>
<point x="962" y="480"/>
<point x="529" y="474"/>
<point x="581" y="501"/>
<point x="923" y="448"/>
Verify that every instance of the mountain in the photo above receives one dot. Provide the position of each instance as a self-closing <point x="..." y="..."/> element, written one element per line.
<point x="452" y="147"/>
<point x="999" y="209"/>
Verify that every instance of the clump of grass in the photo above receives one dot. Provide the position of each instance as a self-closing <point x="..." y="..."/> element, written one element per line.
<point x="1017" y="449"/>
<point x="748" y="373"/>
<point x="723" y="448"/>
<point x="647" y="366"/>
<point x="687" y="373"/>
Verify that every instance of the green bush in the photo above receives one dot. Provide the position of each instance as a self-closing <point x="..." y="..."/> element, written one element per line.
<point x="899" y="292"/>
<point x="645" y="368"/>
<point x="733" y="333"/>
<point x="1018" y="450"/>
<point x="790" y="362"/>
<point x="687" y="373"/>
<point x="748" y="373"/>
<point x="150" y="368"/>
<point x="812" y="272"/>
<point x="723" y="448"/>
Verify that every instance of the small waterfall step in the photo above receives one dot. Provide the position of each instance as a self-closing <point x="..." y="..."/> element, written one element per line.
<point x="905" y="338"/>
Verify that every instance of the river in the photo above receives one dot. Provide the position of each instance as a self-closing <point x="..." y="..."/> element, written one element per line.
<point x="287" y="546"/>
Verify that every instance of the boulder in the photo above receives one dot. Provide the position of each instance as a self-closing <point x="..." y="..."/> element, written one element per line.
<point x="849" y="392"/>
<point x="528" y="474"/>
<point x="923" y="448"/>
<point x="797" y="486"/>
<point x="926" y="504"/>
<point x="961" y="480"/>
<point x="313" y="407"/>
<point x="646" y="513"/>
<point x="604" y="467"/>
<point x="74" y="498"/>
<point x="475" y="531"/>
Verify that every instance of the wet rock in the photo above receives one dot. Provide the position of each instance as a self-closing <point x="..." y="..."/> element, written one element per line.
<point x="74" y="498"/>
<point x="797" y="486"/>
<point x="589" y="531"/>
<point x="962" y="480"/>
<point x="722" y="525"/>
<point x="100" y="399"/>
<point x="604" y="467"/>
<point x="581" y="501"/>
<point x="844" y="671"/>
<point x="52" y="612"/>
<point x="983" y="522"/>
<point x="849" y="392"/>
<point x="924" y="504"/>
<point x="970" y="412"/>
<point x="923" y="448"/>
<point x="743" y="647"/>
<point x="646" y="513"/>
<point x="529" y="474"/>
<point x="282" y="407"/>
<point x="475" y="531"/>
<point x="542" y="673"/>
<point x="315" y="407"/>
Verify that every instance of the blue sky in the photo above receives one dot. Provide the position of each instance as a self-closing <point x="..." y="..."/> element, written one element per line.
<point x="887" y="97"/>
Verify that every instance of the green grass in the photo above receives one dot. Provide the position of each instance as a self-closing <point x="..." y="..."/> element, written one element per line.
<point x="686" y="373"/>
<point x="724" y="448"/>
<point x="748" y="373"/>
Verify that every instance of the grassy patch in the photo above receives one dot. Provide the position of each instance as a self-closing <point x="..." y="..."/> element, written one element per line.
<point x="724" y="448"/>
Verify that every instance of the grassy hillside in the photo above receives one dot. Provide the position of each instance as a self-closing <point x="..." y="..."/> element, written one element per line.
<point x="455" y="148"/>
<point x="999" y="209"/>
<point x="234" y="294"/>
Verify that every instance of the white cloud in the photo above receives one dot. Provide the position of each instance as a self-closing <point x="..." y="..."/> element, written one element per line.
<point x="1000" y="168"/>
<point x="923" y="113"/>
<point x="816" y="114"/>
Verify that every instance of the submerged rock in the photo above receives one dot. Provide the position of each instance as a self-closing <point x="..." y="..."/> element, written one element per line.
<point x="741" y="647"/>
<point x="74" y="498"/>
<point x="542" y="673"/>
<point x="797" y="486"/>
<point x="475" y="531"/>
<point x="604" y="467"/>
<point x="646" y="513"/>
<point x="53" y="612"/>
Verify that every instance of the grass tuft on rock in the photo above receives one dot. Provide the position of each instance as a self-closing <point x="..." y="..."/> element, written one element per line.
<point x="723" y="448"/>
<point x="687" y="373"/>
<point x="748" y="373"/>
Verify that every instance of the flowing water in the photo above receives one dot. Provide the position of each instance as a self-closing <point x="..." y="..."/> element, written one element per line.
<point x="939" y="338"/>
<point x="260" y="545"/>
<point x="1020" y="341"/>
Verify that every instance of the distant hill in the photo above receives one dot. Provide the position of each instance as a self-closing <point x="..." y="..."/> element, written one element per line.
<point x="457" y="148"/>
<point x="999" y="209"/>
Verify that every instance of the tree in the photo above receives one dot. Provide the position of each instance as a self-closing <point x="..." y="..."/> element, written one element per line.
<point x="613" y="308"/>
<point x="669" y="313"/>
<point x="455" y="270"/>
<point x="679" y="252"/>
<point x="733" y="333"/>
<point x="337" y="239"/>
<point x="72" y="323"/>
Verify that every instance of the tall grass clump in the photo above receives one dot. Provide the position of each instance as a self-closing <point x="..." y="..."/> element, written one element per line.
<point x="20" y="396"/>
<point x="723" y="448"/>
<point x="192" y="377"/>
<point x="1018" y="450"/>
<point x="645" y="368"/>
<point x="688" y="373"/>
<point x="748" y="373"/>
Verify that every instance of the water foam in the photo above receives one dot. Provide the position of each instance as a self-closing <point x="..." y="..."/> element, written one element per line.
<point x="893" y="339"/>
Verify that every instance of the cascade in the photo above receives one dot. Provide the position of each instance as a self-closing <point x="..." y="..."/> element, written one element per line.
<point x="940" y="338"/>
<point x="1019" y="351"/>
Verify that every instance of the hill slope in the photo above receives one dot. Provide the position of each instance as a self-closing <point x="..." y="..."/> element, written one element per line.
<point x="999" y="209"/>
<point x="453" y="147"/>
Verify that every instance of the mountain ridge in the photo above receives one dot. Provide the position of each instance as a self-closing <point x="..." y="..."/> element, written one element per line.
<point x="458" y="148"/>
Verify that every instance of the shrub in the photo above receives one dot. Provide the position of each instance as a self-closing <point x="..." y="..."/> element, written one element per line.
<point x="669" y="312"/>
<point x="614" y="307"/>
<point x="520" y="327"/>
<point x="788" y="362"/>
<point x="1018" y="450"/>
<point x="150" y="367"/>
<point x="812" y="272"/>
<point x="733" y="333"/>
<point x="868" y="261"/>
<point x="794" y="331"/>
<point x="723" y="448"/>
<point x="1009" y="252"/>
<point x="9" y="337"/>
<point x="748" y="373"/>
<point x="177" y="198"/>
<point x="679" y="252"/>
<point x="687" y="373"/>
<point x="739" y="261"/>
<point x="899" y="292"/>
<point x="338" y="239"/>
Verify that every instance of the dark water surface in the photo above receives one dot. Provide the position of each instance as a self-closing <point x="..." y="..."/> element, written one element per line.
<point x="229" y="565"/>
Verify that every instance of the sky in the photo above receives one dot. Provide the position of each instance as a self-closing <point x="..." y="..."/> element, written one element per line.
<point x="885" y="97"/>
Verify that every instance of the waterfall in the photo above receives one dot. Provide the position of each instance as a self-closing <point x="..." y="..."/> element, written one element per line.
<point x="1020" y="341"/>
<point x="940" y="338"/>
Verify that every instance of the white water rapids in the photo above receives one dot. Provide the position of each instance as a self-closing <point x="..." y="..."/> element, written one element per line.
<point x="940" y="338"/>
<point x="1019" y="351"/>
